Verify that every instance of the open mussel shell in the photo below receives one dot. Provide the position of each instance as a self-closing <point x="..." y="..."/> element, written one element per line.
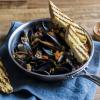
<point x="38" y="61"/>
<point x="32" y="34"/>
<point x="44" y="68"/>
<point x="24" y="47"/>
<point x="53" y="37"/>
<point x="62" y="68"/>
<point x="50" y="36"/>
<point x="50" y="45"/>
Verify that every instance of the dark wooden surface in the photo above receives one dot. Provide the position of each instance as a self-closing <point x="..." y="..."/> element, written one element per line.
<point x="84" y="12"/>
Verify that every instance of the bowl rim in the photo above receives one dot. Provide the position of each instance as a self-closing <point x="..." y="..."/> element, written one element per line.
<point x="37" y="74"/>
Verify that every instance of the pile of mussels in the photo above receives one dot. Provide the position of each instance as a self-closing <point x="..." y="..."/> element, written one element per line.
<point x="42" y="50"/>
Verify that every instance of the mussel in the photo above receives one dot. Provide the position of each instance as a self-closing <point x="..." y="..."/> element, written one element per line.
<point x="46" y="44"/>
<point x="50" y="36"/>
<point x="44" y="68"/>
<point x="44" y="26"/>
<point x="47" y="26"/>
<point x="48" y="51"/>
<point x="59" y="70"/>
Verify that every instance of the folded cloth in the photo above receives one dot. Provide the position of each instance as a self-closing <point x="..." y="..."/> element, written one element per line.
<point x="28" y="88"/>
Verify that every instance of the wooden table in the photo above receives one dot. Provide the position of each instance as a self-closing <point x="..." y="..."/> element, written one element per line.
<point x="84" y="12"/>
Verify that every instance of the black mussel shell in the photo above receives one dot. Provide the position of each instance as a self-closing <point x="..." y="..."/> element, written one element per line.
<point x="30" y="35"/>
<point x="67" y="66"/>
<point x="50" y="45"/>
<point x="37" y="25"/>
<point x="62" y="42"/>
<point x="47" y="26"/>
<point x="45" y="66"/>
<point x="48" y="51"/>
<point x="51" y="38"/>
<point x="27" y="46"/>
<point x="60" y="70"/>
<point x="63" y="68"/>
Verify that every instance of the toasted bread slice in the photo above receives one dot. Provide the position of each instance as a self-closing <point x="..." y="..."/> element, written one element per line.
<point x="5" y="85"/>
<point x="75" y="50"/>
<point x="74" y="34"/>
<point x="55" y="12"/>
<point x="75" y="38"/>
<point x="76" y="46"/>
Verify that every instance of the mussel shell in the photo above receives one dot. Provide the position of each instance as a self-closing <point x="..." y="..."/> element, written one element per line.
<point x="62" y="42"/>
<point x="27" y="46"/>
<point x="51" y="39"/>
<point x="21" y="35"/>
<point x="60" y="70"/>
<point x="48" y="51"/>
<point x="45" y="66"/>
<point x="37" y="26"/>
<point x="50" y="45"/>
<point x="47" y="26"/>
<point x="54" y="39"/>
<point x="30" y="34"/>
<point x="63" y="68"/>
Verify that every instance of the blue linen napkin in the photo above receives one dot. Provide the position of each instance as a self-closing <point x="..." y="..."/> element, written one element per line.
<point x="29" y="88"/>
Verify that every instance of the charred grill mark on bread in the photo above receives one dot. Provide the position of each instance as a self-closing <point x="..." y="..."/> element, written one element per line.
<point x="5" y="85"/>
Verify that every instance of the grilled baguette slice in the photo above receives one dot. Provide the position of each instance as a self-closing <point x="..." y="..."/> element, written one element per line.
<point x="79" y="50"/>
<point x="74" y="34"/>
<point x="75" y="38"/>
<point x="5" y="85"/>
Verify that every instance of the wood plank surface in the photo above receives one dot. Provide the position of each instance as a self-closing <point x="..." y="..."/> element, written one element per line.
<point x="84" y="12"/>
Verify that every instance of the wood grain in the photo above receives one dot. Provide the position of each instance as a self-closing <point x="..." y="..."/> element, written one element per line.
<point x="84" y="12"/>
<point x="9" y="4"/>
<point x="11" y="0"/>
